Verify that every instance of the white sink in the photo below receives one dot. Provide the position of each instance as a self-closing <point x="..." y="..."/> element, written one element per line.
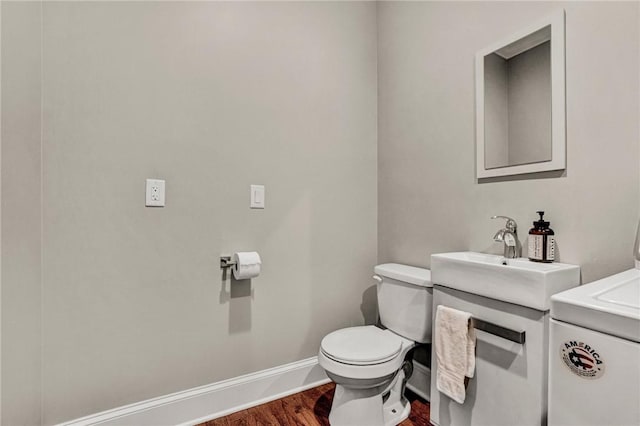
<point x="518" y="281"/>
<point x="610" y="305"/>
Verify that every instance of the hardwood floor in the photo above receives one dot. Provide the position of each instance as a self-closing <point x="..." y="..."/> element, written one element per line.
<point x="308" y="408"/>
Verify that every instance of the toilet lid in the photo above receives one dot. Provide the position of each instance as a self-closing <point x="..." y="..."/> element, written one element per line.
<point x="361" y="345"/>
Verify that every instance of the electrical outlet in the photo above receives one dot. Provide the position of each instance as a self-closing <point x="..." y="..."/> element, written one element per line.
<point x="155" y="193"/>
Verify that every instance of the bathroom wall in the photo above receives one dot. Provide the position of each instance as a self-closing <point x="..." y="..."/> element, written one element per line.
<point x="211" y="97"/>
<point x="429" y="200"/>
<point x="21" y="213"/>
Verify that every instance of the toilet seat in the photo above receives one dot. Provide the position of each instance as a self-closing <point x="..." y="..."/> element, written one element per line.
<point x="361" y="345"/>
<point x="379" y="357"/>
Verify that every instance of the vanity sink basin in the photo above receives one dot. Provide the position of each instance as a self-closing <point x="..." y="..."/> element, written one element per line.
<point x="518" y="281"/>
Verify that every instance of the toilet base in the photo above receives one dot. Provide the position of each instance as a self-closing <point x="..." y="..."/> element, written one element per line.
<point x="396" y="412"/>
<point x="367" y="407"/>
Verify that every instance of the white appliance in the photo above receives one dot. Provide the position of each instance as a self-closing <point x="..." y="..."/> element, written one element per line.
<point x="369" y="365"/>
<point x="594" y="353"/>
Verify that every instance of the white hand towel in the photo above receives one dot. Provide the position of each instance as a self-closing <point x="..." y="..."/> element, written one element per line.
<point x="455" y="343"/>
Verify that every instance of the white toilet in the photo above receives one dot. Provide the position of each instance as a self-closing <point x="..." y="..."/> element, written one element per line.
<point x="369" y="365"/>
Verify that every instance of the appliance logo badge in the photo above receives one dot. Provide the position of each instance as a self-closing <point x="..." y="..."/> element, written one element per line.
<point x="582" y="359"/>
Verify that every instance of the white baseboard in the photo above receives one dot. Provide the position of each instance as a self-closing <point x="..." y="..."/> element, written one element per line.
<point x="208" y="402"/>
<point x="420" y="381"/>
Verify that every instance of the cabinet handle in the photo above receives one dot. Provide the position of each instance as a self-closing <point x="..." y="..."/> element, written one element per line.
<point x="498" y="330"/>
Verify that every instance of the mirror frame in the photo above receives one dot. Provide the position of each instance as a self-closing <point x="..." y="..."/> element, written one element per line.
<point x="558" y="105"/>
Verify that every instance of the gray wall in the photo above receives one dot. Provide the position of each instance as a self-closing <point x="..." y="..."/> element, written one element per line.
<point x="429" y="200"/>
<point x="21" y="213"/>
<point x="212" y="97"/>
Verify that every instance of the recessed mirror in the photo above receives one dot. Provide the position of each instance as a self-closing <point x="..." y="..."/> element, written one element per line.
<point x="520" y="102"/>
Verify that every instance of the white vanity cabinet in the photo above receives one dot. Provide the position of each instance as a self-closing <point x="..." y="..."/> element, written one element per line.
<point x="510" y="382"/>
<point x="509" y="301"/>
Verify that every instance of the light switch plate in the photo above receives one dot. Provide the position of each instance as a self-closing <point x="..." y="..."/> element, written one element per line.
<point x="257" y="197"/>
<point x="155" y="193"/>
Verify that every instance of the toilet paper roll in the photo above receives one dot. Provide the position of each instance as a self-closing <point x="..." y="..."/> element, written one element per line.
<point x="247" y="265"/>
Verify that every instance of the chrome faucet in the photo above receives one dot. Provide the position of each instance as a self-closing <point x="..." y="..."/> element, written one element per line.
<point x="509" y="236"/>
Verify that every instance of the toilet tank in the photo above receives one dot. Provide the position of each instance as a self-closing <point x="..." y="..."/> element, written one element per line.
<point x="405" y="295"/>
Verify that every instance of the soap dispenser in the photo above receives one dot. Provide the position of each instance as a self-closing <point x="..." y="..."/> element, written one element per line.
<point x="542" y="242"/>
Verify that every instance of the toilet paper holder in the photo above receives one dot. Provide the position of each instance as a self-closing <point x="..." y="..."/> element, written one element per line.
<point x="226" y="262"/>
<point x="245" y="265"/>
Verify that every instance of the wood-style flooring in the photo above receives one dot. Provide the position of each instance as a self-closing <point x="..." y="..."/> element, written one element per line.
<point x="308" y="408"/>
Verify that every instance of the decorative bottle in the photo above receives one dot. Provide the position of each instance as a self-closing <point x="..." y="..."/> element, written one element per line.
<point x="542" y="241"/>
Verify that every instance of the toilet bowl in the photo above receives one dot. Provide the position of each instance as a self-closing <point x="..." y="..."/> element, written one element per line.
<point x="365" y="363"/>
<point x="371" y="365"/>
